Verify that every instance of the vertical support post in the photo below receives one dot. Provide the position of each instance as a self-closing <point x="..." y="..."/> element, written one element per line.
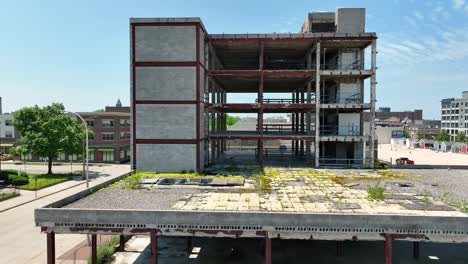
<point x="302" y="125"/>
<point x="51" y="248"/>
<point x="416" y="249"/>
<point x="339" y="248"/>
<point x="260" y="110"/>
<point x="309" y="101"/>
<point x="293" y="123"/>
<point x="297" y="125"/>
<point x="317" y="104"/>
<point x="213" y="124"/>
<point x="189" y="245"/>
<point x="122" y="243"/>
<point x="268" y="259"/>
<point x="154" y="247"/>
<point x="372" y="101"/>
<point x="94" y="249"/>
<point x="388" y="249"/>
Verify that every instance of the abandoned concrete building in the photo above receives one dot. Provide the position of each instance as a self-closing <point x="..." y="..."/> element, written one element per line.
<point x="183" y="81"/>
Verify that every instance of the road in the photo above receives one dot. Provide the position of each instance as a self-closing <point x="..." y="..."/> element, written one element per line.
<point x="22" y="242"/>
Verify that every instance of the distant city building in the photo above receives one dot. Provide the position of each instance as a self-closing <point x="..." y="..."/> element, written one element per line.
<point x="455" y="115"/>
<point x="111" y="141"/>
<point x="427" y="129"/>
<point x="385" y="117"/>
<point x="7" y="131"/>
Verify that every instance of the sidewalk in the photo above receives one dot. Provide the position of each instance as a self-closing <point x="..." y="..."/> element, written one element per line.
<point x="96" y="174"/>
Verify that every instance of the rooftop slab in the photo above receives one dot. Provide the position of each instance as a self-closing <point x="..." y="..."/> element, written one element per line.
<point x="286" y="202"/>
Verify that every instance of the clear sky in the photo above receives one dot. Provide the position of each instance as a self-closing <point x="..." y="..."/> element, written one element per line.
<point x="77" y="52"/>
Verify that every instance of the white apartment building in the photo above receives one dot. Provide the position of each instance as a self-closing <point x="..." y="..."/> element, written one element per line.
<point x="455" y="115"/>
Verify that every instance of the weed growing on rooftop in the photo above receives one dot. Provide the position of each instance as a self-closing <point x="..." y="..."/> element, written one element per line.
<point x="132" y="181"/>
<point x="376" y="192"/>
<point x="460" y="205"/>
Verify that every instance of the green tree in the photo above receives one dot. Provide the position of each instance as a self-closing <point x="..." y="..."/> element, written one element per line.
<point x="443" y="136"/>
<point x="231" y="120"/>
<point x="46" y="131"/>
<point x="460" y="137"/>
<point x="406" y="133"/>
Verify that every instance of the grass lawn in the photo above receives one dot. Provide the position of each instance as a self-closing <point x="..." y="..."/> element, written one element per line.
<point x="6" y="196"/>
<point x="44" y="180"/>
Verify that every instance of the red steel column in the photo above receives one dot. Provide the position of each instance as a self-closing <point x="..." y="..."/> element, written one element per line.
<point x="51" y="248"/>
<point x="260" y="111"/>
<point x="154" y="247"/>
<point x="388" y="248"/>
<point x="93" y="249"/>
<point x="268" y="250"/>
<point x="416" y="250"/>
<point x="122" y="243"/>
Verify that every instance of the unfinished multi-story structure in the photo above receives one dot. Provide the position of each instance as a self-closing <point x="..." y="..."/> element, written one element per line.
<point x="183" y="80"/>
<point x="455" y="115"/>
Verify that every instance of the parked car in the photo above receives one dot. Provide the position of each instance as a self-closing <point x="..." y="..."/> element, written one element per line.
<point x="404" y="161"/>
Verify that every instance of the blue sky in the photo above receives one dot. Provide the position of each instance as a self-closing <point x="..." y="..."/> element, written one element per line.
<point x="77" y="52"/>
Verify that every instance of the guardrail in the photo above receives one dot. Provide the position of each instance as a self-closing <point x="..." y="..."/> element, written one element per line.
<point x="347" y="130"/>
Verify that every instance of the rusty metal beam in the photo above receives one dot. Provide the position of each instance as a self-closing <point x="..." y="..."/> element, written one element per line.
<point x="388" y="248"/>
<point x="154" y="246"/>
<point x="51" y="248"/>
<point x="94" y="249"/>
<point x="268" y="257"/>
<point x="416" y="250"/>
<point x="122" y="243"/>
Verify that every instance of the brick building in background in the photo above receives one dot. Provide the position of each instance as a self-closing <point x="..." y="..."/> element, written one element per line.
<point x="111" y="127"/>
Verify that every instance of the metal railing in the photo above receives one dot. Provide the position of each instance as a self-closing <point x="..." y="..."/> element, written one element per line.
<point x="346" y="130"/>
<point x="355" y="65"/>
<point x="343" y="98"/>
<point x="281" y="128"/>
<point x="337" y="162"/>
<point x="283" y="101"/>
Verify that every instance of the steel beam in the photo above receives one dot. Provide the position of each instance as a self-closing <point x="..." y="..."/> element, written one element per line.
<point x="317" y="104"/>
<point x="339" y="248"/>
<point x="122" y="243"/>
<point x="154" y="247"/>
<point x="388" y="248"/>
<point x="94" y="249"/>
<point x="416" y="249"/>
<point x="51" y="248"/>
<point x="268" y="257"/>
<point x="372" y="101"/>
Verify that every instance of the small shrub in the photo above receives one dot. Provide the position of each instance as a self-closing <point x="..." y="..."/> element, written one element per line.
<point x="11" y="177"/>
<point x="376" y="192"/>
<point x="183" y="171"/>
<point x="132" y="181"/>
<point x="106" y="250"/>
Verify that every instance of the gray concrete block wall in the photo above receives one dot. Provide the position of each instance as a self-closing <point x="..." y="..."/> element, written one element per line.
<point x="166" y="157"/>
<point x="165" y="121"/>
<point x="350" y="20"/>
<point x="202" y="46"/>
<point x="165" y="43"/>
<point x="166" y="83"/>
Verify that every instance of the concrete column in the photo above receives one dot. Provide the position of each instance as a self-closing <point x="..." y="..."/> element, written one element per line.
<point x="94" y="249"/>
<point x="51" y="248"/>
<point x="317" y="104"/>
<point x="372" y="101"/>
<point x="293" y="123"/>
<point x="388" y="249"/>
<point x="154" y="247"/>
<point x="268" y="259"/>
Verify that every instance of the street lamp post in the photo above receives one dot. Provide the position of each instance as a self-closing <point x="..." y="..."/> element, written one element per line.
<point x="87" y="151"/>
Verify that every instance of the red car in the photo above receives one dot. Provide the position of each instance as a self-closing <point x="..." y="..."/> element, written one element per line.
<point x="404" y="161"/>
